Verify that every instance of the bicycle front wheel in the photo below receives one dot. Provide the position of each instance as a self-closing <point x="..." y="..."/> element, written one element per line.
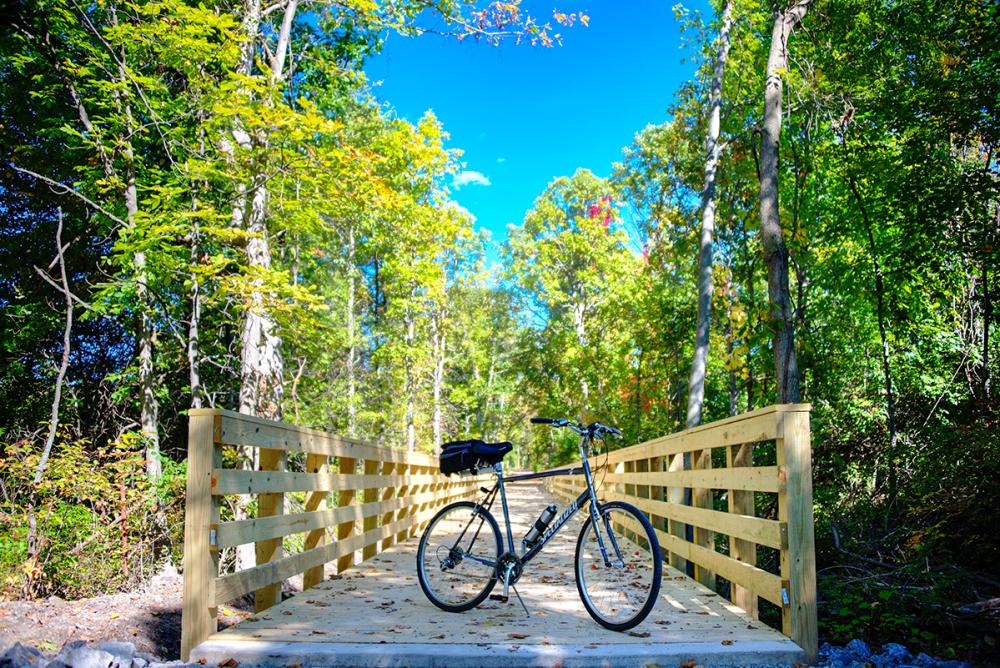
<point x="620" y="583"/>
<point x="457" y="556"/>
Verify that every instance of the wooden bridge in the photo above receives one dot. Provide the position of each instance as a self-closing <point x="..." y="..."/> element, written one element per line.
<point x="350" y="544"/>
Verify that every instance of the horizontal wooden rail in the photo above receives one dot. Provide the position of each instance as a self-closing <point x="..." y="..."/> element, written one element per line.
<point x="653" y="475"/>
<point x="382" y="495"/>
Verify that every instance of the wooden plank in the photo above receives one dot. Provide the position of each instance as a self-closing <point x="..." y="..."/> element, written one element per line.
<point x="237" y="584"/>
<point x="270" y="549"/>
<point x="234" y="481"/>
<point x="658" y="493"/>
<point x="758" y="478"/>
<point x="766" y="585"/>
<point x="200" y="565"/>
<point x="315" y="502"/>
<point x="387" y="494"/>
<point x="742" y="503"/>
<point x="345" y="497"/>
<point x="748" y="428"/>
<point x="798" y="562"/>
<point x="766" y="532"/>
<point x="408" y="491"/>
<point x="245" y="430"/>
<point x="368" y="496"/>
<point x="675" y="481"/>
<point x="240" y="532"/>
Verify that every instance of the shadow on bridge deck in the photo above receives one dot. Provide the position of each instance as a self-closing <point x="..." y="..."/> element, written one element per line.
<point x="376" y="615"/>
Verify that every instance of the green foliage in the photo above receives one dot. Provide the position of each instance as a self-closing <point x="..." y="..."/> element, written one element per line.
<point x="89" y="526"/>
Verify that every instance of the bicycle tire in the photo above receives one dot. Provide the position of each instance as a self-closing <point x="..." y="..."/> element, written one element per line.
<point x="424" y="560"/>
<point x="648" y="557"/>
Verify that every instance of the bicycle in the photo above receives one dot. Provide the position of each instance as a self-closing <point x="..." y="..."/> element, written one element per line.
<point x="461" y="557"/>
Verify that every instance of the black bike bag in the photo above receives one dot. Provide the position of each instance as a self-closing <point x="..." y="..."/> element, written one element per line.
<point x="470" y="455"/>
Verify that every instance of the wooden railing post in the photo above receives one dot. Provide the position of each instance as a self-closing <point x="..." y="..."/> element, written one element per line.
<point x="388" y="493"/>
<point x="701" y="497"/>
<point x="198" y="619"/>
<point x="741" y="502"/>
<point x="346" y="465"/>
<point x="675" y="494"/>
<point x="316" y="537"/>
<point x="795" y="506"/>
<point x="269" y="550"/>
<point x="371" y="467"/>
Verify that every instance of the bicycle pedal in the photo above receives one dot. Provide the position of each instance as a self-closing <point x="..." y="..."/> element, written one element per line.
<point x="499" y="597"/>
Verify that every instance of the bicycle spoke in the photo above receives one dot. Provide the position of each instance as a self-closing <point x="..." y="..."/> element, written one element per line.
<point x="618" y="592"/>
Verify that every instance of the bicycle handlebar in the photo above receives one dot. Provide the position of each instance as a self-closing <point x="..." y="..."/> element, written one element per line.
<point x="594" y="429"/>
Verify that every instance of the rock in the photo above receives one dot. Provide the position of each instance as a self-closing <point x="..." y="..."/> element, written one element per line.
<point x="839" y="656"/>
<point x="89" y="657"/>
<point x="165" y="576"/>
<point x="896" y="653"/>
<point x="925" y="661"/>
<point x="952" y="664"/>
<point x="20" y="656"/>
<point x="139" y="662"/>
<point x="122" y="651"/>
<point x="860" y="649"/>
<point x="71" y="645"/>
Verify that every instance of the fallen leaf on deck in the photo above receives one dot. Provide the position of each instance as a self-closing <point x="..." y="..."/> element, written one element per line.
<point x="229" y="663"/>
<point x="519" y="636"/>
<point x="727" y="642"/>
<point x="639" y="634"/>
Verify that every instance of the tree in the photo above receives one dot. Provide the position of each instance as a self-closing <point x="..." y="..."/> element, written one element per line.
<point x="771" y="234"/>
<point x="696" y="384"/>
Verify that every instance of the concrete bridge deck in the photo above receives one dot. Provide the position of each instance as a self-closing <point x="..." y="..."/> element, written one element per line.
<point x="376" y="615"/>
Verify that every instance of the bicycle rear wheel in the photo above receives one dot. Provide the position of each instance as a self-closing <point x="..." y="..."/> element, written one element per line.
<point x="457" y="556"/>
<point x="618" y="591"/>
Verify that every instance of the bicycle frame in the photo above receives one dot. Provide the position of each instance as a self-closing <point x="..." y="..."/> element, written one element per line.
<point x="567" y="514"/>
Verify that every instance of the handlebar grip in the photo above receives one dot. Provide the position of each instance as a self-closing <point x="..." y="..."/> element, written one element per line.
<point x="541" y="420"/>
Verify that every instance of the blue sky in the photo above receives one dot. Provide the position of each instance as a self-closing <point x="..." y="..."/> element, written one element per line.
<point x="524" y="115"/>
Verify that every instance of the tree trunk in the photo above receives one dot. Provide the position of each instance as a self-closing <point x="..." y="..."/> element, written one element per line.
<point x="696" y="384"/>
<point x="411" y="384"/>
<point x="772" y="238"/>
<point x="50" y="439"/>
<point x="439" y="342"/>
<point x="262" y="366"/>
<point x="890" y="398"/>
<point x="352" y="383"/>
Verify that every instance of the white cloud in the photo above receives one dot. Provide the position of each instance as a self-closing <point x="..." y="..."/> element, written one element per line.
<point x="501" y="160"/>
<point x="469" y="177"/>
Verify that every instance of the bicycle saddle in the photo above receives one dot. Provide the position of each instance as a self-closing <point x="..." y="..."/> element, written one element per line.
<point x="493" y="452"/>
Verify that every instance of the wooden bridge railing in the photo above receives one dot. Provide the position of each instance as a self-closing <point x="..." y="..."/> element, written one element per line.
<point x="379" y="495"/>
<point x="750" y="492"/>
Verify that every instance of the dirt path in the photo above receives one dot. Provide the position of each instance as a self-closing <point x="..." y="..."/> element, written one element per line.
<point x="150" y="619"/>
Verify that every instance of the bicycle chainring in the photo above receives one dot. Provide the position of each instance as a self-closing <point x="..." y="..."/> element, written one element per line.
<point x="509" y="560"/>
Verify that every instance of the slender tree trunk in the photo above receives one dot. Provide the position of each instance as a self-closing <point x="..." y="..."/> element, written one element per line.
<point x="734" y="391"/>
<point x="262" y="366"/>
<point x="890" y="398"/>
<point x="772" y="238"/>
<point x="638" y="397"/>
<point x="988" y="306"/>
<point x="194" y="324"/>
<point x="696" y="383"/>
<point x="411" y="384"/>
<point x="439" y="343"/>
<point x="352" y="382"/>
<point x="50" y="439"/>
<point x="580" y="324"/>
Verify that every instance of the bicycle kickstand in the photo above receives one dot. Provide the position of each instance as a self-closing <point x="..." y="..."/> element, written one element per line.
<point x="528" y="614"/>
